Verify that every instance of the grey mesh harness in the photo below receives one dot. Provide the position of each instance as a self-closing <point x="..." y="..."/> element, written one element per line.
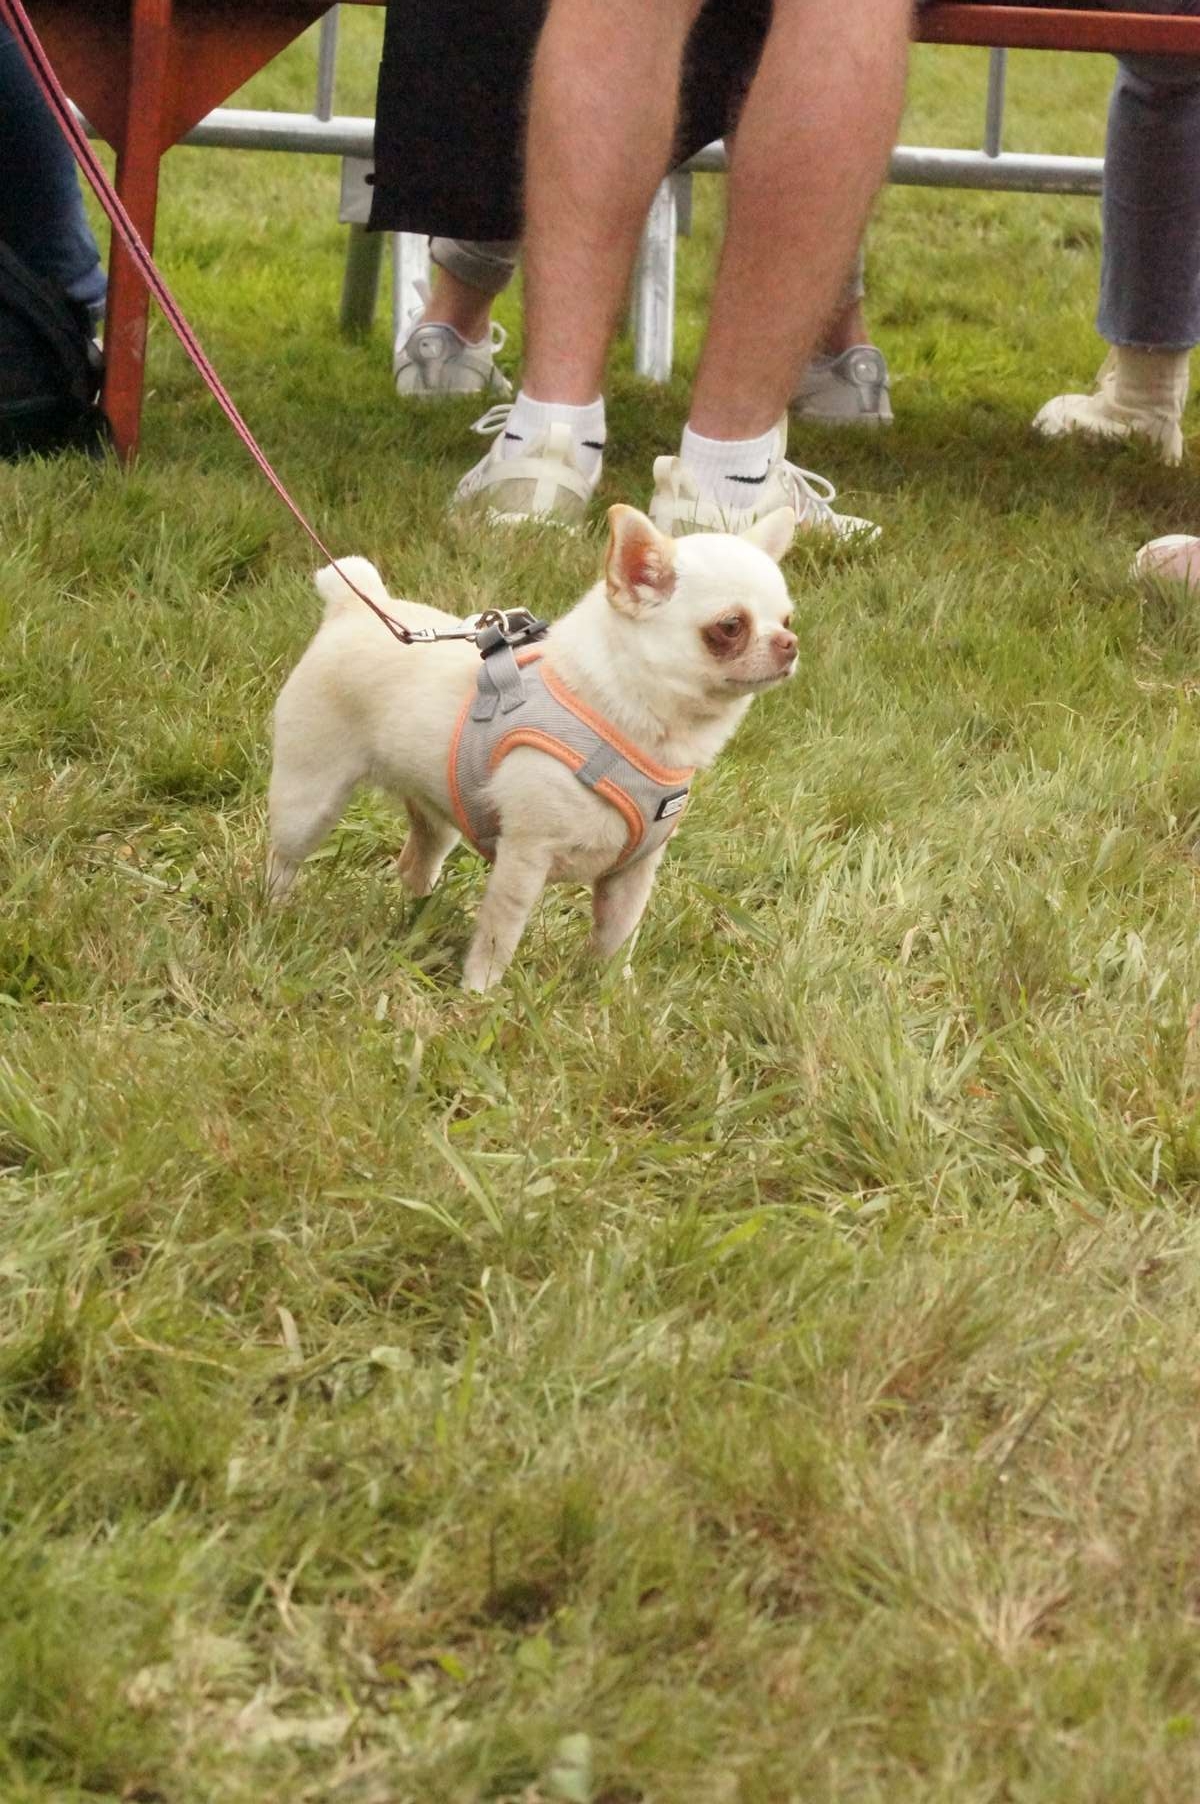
<point x="518" y="702"/>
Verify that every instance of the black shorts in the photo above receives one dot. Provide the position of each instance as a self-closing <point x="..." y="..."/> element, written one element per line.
<point x="449" y="117"/>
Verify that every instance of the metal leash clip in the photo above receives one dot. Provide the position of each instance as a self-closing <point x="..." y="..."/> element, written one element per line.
<point x="425" y="635"/>
<point x="514" y="627"/>
<point x="490" y="630"/>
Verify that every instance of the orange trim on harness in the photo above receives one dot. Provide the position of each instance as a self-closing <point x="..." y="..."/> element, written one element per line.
<point x="536" y="740"/>
<point x="657" y="773"/>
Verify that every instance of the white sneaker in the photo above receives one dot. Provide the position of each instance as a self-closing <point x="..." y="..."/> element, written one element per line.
<point x="434" y="360"/>
<point x="1102" y="415"/>
<point x="677" y="506"/>
<point x="850" y="390"/>
<point x="540" y="482"/>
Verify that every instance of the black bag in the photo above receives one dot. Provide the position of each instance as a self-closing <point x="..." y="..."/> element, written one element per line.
<point x="50" y="367"/>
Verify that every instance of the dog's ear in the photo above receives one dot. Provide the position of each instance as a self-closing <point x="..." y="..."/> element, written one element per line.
<point x="639" y="565"/>
<point x="773" y="533"/>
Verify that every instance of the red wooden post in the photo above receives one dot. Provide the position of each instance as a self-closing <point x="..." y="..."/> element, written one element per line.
<point x="138" y="155"/>
<point x="144" y="71"/>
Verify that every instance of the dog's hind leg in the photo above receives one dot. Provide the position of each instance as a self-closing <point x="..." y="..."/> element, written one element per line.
<point x="429" y="840"/>
<point x="310" y="786"/>
<point x="619" y="901"/>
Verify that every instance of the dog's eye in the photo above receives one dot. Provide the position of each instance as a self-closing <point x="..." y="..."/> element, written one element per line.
<point x="728" y="635"/>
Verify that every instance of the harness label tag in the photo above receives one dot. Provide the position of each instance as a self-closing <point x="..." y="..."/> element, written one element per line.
<point x="671" y="805"/>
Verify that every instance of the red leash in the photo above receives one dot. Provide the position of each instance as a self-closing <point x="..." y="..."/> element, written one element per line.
<point x="15" y="17"/>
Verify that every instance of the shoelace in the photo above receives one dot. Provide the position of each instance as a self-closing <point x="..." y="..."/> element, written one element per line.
<point x="497" y="336"/>
<point x="487" y="426"/>
<point x="493" y="421"/>
<point x="816" y="491"/>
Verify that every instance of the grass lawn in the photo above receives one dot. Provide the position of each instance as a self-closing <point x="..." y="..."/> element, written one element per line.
<point x="773" y="1379"/>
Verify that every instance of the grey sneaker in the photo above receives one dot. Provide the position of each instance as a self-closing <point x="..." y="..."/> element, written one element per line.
<point x="542" y="482"/>
<point x="435" y="360"/>
<point x="677" y="507"/>
<point x="850" y="390"/>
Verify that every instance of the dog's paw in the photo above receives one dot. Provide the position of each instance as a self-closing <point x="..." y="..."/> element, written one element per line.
<point x="418" y="878"/>
<point x="479" y="974"/>
<point x="281" y="874"/>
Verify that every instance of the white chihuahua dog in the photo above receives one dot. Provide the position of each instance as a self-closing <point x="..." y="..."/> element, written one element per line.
<point x="569" y="760"/>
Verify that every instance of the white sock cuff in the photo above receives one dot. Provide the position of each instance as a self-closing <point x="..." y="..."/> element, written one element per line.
<point x="729" y="470"/>
<point x="530" y="417"/>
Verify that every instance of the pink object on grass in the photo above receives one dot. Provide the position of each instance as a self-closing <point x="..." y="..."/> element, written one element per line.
<point x="1175" y="558"/>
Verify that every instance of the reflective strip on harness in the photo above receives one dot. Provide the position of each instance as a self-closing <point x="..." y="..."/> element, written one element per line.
<point x="518" y="702"/>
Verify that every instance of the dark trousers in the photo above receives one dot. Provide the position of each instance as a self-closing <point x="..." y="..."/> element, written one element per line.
<point x="41" y="211"/>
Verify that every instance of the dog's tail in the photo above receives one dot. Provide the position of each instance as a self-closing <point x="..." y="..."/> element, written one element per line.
<point x="339" y="597"/>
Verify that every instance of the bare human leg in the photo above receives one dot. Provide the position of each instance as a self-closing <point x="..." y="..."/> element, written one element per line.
<point x="602" y="116"/>
<point x="603" y="106"/>
<point x="453" y="302"/>
<point x="847" y="328"/>
<point x="812" y="145"/>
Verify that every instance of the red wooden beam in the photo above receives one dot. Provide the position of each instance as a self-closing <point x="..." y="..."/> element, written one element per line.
<point x="1057" y="28"/>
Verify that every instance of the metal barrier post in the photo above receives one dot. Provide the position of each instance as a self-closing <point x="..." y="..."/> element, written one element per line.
<point x="654" y="289"/>
<point x="410" y="266"/>
<point x="929" y="166"/>
<point x="993" y="123"/>
<point x="364" y="251"/>
<point x="360" y="282"/>
<point x="326" y="64"/>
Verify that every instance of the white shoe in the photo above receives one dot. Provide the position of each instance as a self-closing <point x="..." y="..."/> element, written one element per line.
<point x="850" y="390"/>
<point x="677" y="506"/>
<point x="540" y="482"/>
<point x="434" y="360"/>
<point x="1154" y="416"/>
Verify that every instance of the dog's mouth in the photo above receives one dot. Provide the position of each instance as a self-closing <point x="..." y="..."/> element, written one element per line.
<point x="750" y="684"/>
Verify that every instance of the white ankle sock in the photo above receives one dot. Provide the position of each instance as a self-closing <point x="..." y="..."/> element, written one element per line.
<point x="730" y="471"/>
<point x="529" y="419"/>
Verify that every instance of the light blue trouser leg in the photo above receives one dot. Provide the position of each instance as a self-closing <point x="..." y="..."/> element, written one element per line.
<point x="41" y="211"/>
<point x="1150" y="269"/>
<point x="483" y="263"/>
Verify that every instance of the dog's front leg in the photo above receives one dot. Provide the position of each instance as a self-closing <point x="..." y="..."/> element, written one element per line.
<point x="425" y="849"/>
<point x="517" y="880"/>
<point x="618" y="902"/>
